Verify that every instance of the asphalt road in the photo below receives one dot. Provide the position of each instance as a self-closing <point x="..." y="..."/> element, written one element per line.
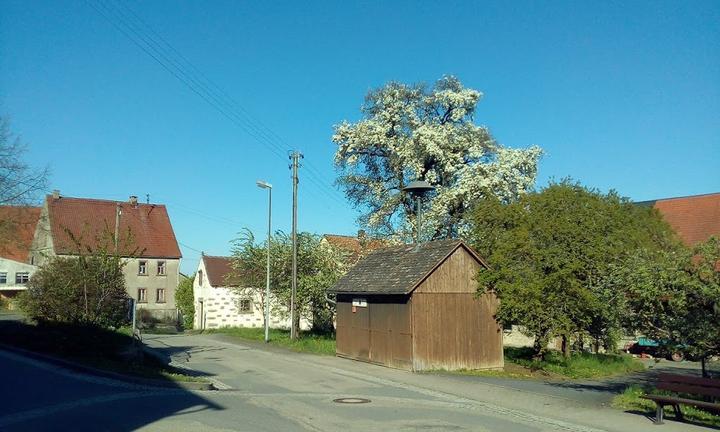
<point x="274" y="390"/>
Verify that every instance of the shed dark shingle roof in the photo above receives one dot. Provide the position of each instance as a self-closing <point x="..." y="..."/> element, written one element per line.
<point x="397" y="269"/>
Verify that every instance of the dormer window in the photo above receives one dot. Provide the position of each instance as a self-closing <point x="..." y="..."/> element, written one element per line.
<point x="161" y="268"/>
<point x="142" y="267"/>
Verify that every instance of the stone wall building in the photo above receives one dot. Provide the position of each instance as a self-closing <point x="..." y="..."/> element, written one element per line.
<point x="221" y="302"/>
<point x="146" y="241"/>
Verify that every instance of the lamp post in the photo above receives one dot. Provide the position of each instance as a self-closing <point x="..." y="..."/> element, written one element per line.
<point x="268" y="186"/>
<point x="418" y="189"/>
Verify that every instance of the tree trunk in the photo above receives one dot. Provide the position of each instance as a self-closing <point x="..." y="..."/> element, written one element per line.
<point x="540" y="346"/>
<point x="704" y="367"/>
<point x="565" y="346"/>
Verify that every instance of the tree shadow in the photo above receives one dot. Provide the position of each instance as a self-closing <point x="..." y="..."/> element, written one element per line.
<point x="67" y="378"/>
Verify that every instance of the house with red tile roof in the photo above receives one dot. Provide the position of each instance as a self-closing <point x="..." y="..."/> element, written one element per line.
<point x="73" y="226"/>
<point x="17" y="228"/>
<point x="694" y="218"/>
<point x="222" y="301"/>
<point x="352" y="248"/>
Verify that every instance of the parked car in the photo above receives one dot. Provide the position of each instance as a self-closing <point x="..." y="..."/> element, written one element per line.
<point x="655" y="349"/>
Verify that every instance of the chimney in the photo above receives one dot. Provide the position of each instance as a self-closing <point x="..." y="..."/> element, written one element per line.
<point x="133" y="200"/>
<point x="56" y="194"/>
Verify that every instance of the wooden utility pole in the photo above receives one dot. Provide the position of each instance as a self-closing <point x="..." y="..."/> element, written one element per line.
<point x="294" y="321"/>
<point x="118" y="211"/>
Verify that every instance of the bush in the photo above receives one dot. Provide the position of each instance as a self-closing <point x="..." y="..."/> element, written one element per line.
<point x="185" y="301"/>
<point x="578" y="365"/>
<point x="84" y="291"/>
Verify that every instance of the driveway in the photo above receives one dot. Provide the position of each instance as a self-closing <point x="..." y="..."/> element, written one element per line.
<point x="302" y="387"/>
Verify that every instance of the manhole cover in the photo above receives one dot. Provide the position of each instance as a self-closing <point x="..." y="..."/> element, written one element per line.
<point x="351" y="400"/>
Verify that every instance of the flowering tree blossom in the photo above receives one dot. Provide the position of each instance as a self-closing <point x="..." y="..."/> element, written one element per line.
<point x="412" y="132"/>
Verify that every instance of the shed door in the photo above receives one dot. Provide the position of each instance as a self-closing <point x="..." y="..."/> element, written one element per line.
<point x="360" y="333"/>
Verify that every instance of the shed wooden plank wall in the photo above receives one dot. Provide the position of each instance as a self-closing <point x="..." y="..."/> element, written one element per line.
<point x="452" y="329"/>
<point x="379" y="333"/>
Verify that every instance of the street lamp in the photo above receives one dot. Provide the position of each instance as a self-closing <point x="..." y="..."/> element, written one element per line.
<point x="268" y="186"/>
<point x="418" y="189"/>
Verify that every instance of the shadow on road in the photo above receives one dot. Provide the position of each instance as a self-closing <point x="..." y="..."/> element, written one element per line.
<point x="43" y="391"/>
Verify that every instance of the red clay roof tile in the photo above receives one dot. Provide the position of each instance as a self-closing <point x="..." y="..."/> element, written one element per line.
<point x="695" y="218"/>
<point x="17" y="227"/>
<point x="149" y="226"/>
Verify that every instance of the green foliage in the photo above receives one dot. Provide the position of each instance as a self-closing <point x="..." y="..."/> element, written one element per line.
<point x="185" y="301"/>
<point x="318" y="268"/>
<point x="88" y="290"/>
<point x="671" y="296"/>
<point x="578" y="365"/>
<point x="548" y="250"/>
<point x="307" y="342"/>
<point x="630" y="399"/>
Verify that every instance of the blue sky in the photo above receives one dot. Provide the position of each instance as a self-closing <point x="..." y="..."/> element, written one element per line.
<point x="623" y="96"/>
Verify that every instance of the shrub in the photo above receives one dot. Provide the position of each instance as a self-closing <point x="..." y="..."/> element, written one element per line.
<point x="87" y="290"/>
<point x="185" y="301"/>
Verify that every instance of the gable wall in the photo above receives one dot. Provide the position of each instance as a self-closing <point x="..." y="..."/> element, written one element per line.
<point x="455" y="275"/>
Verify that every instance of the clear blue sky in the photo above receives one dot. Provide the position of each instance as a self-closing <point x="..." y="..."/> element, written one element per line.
<point x="623" y="96"/>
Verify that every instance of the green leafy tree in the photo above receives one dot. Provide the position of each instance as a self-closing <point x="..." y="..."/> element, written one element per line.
<point x="185" y="301"/>
<point x="88" y="290"/>
<point x="671" y="296"/>
<point x="416" y="132"/>
<point x="318" y="268"/>
<point x="548" y="250"/>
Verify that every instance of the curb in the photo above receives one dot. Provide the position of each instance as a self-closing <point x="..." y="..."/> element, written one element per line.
<point x="76" y="367"/>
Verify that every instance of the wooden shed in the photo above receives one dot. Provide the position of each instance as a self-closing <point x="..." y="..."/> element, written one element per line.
<point x="415" y="307"/>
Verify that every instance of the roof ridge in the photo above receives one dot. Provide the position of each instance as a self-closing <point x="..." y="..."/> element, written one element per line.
<point x="102" y="200"/>
<point x="678" y="197"/>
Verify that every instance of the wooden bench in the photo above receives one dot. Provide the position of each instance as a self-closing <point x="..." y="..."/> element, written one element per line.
<point x="694" y="386"/>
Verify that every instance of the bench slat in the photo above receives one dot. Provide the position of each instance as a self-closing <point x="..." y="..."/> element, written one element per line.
<point x="689" y="389"/>
<point x="676" y="400"/>
<point x="686" y="379"/>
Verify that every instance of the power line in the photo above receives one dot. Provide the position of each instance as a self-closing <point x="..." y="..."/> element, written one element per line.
<point x="139" y="33"/>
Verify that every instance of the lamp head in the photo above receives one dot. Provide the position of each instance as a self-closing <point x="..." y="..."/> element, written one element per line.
<point x="263" y="184"/>
<point x="418" y="188"/>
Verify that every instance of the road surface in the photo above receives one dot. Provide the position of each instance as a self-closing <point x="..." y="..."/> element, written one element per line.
<point x="275" y="390"/>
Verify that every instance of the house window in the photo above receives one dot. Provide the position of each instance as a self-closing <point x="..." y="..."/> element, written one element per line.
<point x="21" y="278"/>
<point x="142" y="267"/>
<point x="161" y="268"/>
<point x="245" y="306"/>
<point x="161" y="295"/>
<point x="142" y="295"/>
<point x="199" y="276"/>
<point x="3" y="277"/>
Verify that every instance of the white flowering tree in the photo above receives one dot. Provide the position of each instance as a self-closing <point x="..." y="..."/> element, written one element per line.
<point x="415" y="132"/>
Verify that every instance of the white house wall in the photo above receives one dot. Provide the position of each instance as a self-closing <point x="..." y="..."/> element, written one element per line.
<point x="10" y="267"/>
<point x="217" y="307"/>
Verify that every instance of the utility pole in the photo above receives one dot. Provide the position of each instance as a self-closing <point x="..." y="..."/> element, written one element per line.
<point x="118" y="211"/>
<point x="295" y="158"/>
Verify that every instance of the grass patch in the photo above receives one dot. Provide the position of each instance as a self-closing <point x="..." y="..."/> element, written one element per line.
<point x="108" y="350"/>
<point x="579" y="365"/>
<point x="519" y="364"/>
<point x="307" y="342"/>
<point x="630" y="400"/>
